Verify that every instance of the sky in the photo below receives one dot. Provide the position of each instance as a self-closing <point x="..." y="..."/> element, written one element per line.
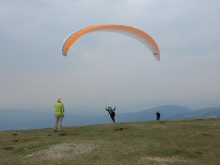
<point x="109" y="69"/>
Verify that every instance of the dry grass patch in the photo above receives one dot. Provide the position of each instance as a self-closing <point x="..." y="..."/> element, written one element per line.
<point x="60" y="151"/>
<point x="166" y="160"/>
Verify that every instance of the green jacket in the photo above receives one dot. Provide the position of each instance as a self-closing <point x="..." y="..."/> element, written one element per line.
<point x="59" y="109"/>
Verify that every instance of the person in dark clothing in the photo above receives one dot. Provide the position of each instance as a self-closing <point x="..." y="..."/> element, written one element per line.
<point x="158" y="115"/>
<point x="111" y="113"/>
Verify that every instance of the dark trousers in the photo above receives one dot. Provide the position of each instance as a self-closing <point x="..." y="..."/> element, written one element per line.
<point x="113" y="117"/>
<point x="158" y="117"/>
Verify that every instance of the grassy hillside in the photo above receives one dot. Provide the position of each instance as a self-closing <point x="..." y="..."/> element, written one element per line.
<point x="182" y="142"/>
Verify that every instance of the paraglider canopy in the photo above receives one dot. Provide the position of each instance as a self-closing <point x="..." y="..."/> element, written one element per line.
<point x="135" y="33"/>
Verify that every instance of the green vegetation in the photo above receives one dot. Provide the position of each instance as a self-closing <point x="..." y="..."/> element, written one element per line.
<point x="181" y="142"/>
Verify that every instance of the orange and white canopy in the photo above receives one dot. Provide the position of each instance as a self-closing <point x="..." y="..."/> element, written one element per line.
<point x="126" y="30"/>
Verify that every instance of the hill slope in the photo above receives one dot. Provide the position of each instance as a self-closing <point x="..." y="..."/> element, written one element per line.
<point x="182" y="142"/>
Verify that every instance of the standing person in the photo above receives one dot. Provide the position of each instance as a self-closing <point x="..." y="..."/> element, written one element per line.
<point x="158" y="115"/>
<point x="111" y="113"/>
<point x="58" y="114"/>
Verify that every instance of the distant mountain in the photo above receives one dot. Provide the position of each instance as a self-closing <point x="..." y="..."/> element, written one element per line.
<point x="20" y="119"/>
<point x="166" y="112"/>
<point x="201" y="113"/>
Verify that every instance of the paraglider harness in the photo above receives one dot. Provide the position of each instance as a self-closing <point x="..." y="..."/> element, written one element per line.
<point x="111" y="112"/>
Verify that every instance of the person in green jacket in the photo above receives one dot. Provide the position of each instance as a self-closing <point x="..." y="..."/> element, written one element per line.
<point x="58" y="114"/>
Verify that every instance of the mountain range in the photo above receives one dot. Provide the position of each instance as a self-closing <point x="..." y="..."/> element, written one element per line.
<point x="23" y="119"/>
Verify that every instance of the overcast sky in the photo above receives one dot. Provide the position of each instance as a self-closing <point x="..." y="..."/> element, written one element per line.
<point x="108" y="69"/>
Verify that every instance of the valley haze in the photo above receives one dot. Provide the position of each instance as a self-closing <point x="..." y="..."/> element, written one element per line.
<point x="23" y="119"/>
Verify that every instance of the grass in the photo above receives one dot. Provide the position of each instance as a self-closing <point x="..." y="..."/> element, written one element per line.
<point x="181" y="142"/>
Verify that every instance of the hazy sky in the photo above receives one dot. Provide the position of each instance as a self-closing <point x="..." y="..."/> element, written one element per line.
<point x="104" y="68"/>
